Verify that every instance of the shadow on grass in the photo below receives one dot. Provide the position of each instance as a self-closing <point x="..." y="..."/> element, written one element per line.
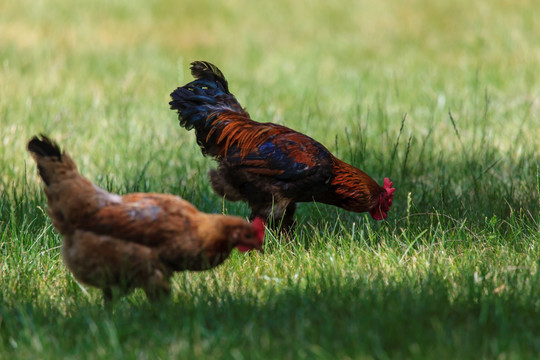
<point x="373" y="316"/>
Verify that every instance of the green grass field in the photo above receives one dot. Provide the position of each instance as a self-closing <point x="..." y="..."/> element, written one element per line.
<point x="443" y="97"/>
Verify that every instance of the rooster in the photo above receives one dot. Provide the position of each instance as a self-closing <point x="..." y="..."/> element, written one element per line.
<point x="269" y="166"/>
<point x="133" y="241"/>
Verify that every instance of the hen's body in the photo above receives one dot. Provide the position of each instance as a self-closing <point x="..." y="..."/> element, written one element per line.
<point x="269" y="166"/>
<point x="135" y="240"/>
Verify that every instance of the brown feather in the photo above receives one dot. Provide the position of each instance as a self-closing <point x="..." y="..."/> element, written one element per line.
<point x="242" y="132"/>
<point x="357" y="190"/>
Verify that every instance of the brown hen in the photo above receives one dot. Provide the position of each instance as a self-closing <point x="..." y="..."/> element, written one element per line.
<point x="137" y="240"/>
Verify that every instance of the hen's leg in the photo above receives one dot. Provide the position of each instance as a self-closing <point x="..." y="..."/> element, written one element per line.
<point x="158" y="293"/>
<point x="111" y="294"/>
<point x="107" y="297"/>
<point x="158" y="288"/>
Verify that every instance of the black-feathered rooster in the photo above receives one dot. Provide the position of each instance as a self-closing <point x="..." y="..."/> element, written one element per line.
<point x="269" y="166"/>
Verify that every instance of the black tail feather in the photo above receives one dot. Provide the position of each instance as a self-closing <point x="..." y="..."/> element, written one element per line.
<point x="199" y="101"/>
<point x="206" y="70"/>
<point x="44" y="147"/>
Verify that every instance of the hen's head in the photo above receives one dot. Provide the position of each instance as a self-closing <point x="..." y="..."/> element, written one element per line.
<point x="251" y="237"/>
<point x="385" y="201"/>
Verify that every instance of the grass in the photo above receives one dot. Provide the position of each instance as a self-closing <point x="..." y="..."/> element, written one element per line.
<point x="441" y="97"/>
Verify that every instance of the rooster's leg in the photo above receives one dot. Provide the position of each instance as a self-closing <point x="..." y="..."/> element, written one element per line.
<point x="277" y="216"/>
<point x="158" y="287"/>
<point x="288" y="223"/>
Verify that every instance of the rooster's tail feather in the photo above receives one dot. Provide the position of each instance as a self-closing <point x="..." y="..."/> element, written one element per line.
<point x="199" y="102"/>
<point x="203" y="70"/>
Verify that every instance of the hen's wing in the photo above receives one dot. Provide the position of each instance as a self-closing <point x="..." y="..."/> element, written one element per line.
<point x="149" y="219"/>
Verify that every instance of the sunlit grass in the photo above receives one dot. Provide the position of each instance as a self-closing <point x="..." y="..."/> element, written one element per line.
<point x="442" y="97"/>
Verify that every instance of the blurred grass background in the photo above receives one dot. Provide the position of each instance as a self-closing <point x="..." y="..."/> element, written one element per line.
<point x="98" y="75"/>
<point x="442" y="97"/>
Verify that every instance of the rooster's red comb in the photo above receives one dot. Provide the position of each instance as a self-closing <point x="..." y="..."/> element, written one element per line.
<point x="388" y="186"/>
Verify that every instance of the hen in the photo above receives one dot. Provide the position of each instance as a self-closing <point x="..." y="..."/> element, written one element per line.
<point x="269" y="166"/>
<point x="137" y="240"/>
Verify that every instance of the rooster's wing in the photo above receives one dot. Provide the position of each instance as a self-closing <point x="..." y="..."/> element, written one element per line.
<point x="290" y="159"/>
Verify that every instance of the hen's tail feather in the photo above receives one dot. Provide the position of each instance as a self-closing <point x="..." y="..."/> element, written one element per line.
<point x="51" y="162"/>
<point x="44" y="147"/>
